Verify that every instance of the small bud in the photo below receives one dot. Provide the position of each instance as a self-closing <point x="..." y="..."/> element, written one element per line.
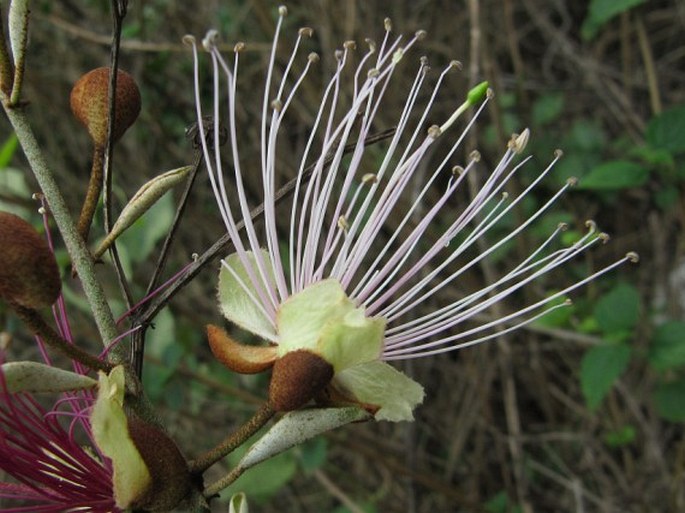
<point x="298" y="376"/>
<point x="28" y="271"/>
<point x="434" y="131"/>
<point x="477" y="94"/>
<point x="90" y="105"/>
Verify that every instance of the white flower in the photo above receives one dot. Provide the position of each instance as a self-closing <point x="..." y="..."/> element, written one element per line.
<point x="336" y="277"/>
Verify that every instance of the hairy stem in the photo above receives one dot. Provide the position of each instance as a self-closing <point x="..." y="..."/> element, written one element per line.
<point x="222" y="483"/>
<point x="232" y="441"/>
<point x="37" y="325"/>
<point x="81" y="259"/>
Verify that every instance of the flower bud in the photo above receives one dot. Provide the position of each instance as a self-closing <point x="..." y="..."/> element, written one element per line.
<point x="297" y="377"/>
<point x="28" y="271"/>
<point x="168" y="469"/>
<point x="90" y="105"/>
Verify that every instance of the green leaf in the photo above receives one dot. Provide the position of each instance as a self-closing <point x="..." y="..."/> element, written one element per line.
<point x="668" y="346"/>
<point x="141" y="202"/>
<point x="138" y="241"/>
<point x="600" y="368"/>
<point x="380" y="384"/>
<point x="297" y="427"/>
<point x="313" y="454"/>
<point x="667" y="197"/>
<point x="669" y="400"/>
<point x="614" y="175"/>
<point x="601" y="11"/>
<point x="7" y="150"/>
<point x="264" y="481"/>
<point x="621" y="437"/>
<point x="585" y="135"/>
<point x="618" y="310"/>
<point x="238" y="504"/>
<point x="38" y="377"/>
<point x="322" y="319"/>
<point x="13" y="184"/>
<point x="547" y="108"/>
<point x="235" y="302"/>
<point x="667" y="130"/>
<point x="502" y="503"/>
<point x="131" y="477"/>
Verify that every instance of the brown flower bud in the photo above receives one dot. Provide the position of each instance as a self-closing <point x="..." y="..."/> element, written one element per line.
<point x="171" y="480"/>
<point x="28" y="271"/>
<point x="90" y="104"/>
<point x="297" y="377"/>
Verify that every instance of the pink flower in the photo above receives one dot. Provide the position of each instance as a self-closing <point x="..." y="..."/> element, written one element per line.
<point x="53" y="470"/>
<point x="352" y="271"/>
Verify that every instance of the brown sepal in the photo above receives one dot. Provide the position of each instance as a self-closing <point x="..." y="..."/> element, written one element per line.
<point x="238" y="357"/>
<point x="298" y="377"/>
<point x="171" y="479"/>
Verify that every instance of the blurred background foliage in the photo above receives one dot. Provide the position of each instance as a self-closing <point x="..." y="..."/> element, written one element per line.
<point x="582" y="411"/>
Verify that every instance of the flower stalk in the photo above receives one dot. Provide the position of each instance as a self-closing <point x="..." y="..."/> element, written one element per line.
<point x="232" y="441"/>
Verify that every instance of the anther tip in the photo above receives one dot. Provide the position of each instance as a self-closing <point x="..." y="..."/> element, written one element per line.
<point x="369" y="178"/>
<point x="562" y="226"/>
<point x="572" y="181"/>
<point x="188" y="40"/>
<point x="455" y="64"/>
<point x="387" y="23"/>
<point x="633" y="257"/>
<point x="209" y="41"/>
<point x="558" y="153"/>
<point x="350" y="45"/>
<point x="239" y="47"/>
<point x="373" y="73"/>
<point x="475" y="156"/>
<point x="591" y="225"/>
<point x="282" y="10"/>
<point x="313" y="57"/>
<point x="421" y="35"/>
<point x="434" y="131"/>
<point x="306" y="32"/>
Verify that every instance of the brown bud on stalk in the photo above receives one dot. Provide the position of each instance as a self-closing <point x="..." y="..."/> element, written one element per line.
<point x="297" y="377"/>
<point x="171" y="479"/>
<point x="90" y="104"/>
<point x="28" y="271"/>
